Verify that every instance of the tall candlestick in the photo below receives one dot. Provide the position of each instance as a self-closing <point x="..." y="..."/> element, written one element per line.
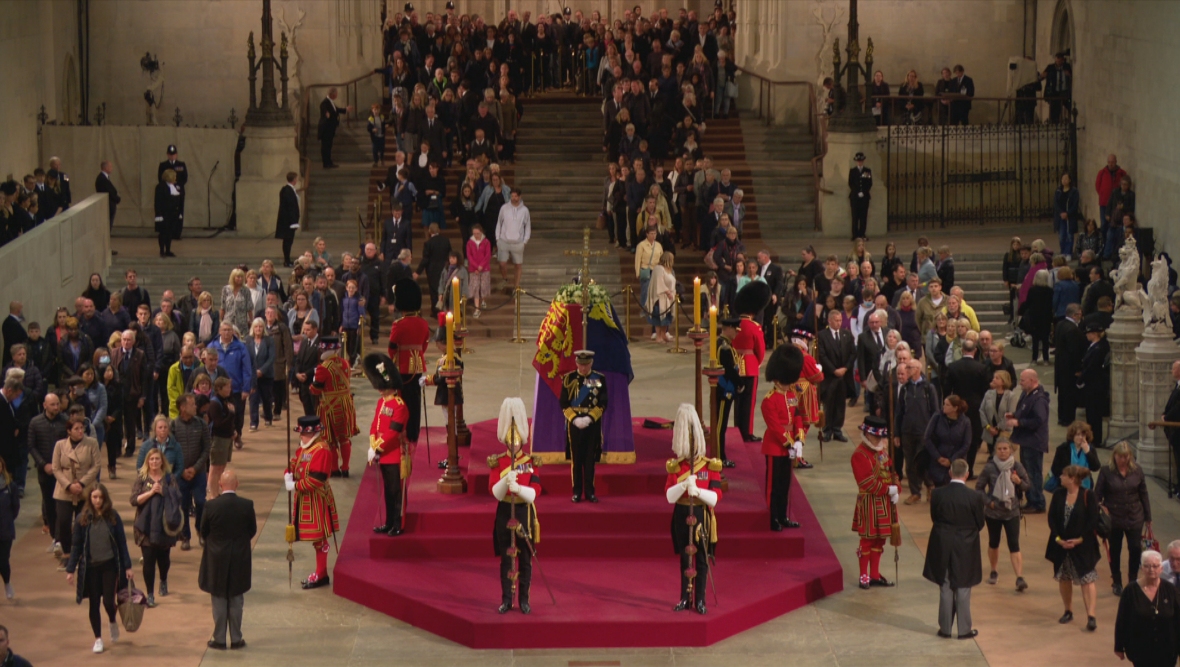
<point x="713" y="336"/>
<point x="455" y="296"/>
<point x="696" y="303"/>
<point x="450" y="341"/>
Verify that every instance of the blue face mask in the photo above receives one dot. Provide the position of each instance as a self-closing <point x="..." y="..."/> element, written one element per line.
<point x="104" y="360"/>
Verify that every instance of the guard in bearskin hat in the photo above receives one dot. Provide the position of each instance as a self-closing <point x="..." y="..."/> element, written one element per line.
<point x="875" y="517"/>
<point x="409" y="338"/>
<point x="315" y="517"/>
<point x="693" y="487"/>
<point x="387" y="442"/>
<point x="331" y="385"/>
<point x="750" y="345"/>
<point x="782" y="424"/>
<point x="515" y="484"/>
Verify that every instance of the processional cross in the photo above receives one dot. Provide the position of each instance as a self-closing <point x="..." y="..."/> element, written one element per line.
<point x="586" y="253"/>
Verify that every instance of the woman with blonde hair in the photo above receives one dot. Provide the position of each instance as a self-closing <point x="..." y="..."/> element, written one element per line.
<point x="257" y="293"/>
<point x="155" y="497"/>
<point x="1122" y="489"/>
<point x="661" y="296"/>
<point x="237" y="305"/>
<point x="204" y="321"/>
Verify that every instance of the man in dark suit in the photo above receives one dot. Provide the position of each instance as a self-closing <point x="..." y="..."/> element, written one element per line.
<point x="432" y="130"/>
<point x="1071" y="346"/>
<point x="706" y="41"/>
<point x="13" y="330"/>
<point x="868" y="357"/>
<point x="965" y="88"/>
<point x="227" y="527"/>
<point x="860" y="182"/>
<point x="135" y="372"/>
<point x="1172" y="414"/>
<point x="773" y="275"/>
<point x="181" y="170"/>
<point x="952" y="556"/>
<point x="397" y="233"/>
<point x="288" y="220"/>
<point x="10" y="433"/>
<point x="837" y="353"/>
<point x="329" y="121"/>
<point x="969" y="379"/>
<point x="103" y="183"/>
<point x="306" y="360"/>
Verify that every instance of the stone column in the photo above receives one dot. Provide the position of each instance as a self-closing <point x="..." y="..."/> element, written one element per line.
<point x="1155" y="355"/>
<point x="837" y="212"/>
<point x="269" y="154"/>
<point x="1124" y="335"/>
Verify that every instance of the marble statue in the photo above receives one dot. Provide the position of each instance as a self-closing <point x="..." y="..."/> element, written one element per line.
<point x="294" y="79"/>
<point x="153" y="97"/>
<point x="1130" y="297"/>
<point x="1156" y="315"/>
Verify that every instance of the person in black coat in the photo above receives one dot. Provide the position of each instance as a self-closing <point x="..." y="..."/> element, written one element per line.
<point x="288" y="221"/>
<point x="169" y="212"/>
<point x="952" y="556"/>
<point x="436" y="253"/>
<point x="1071" y="346"/>
<point x="969" y="379"/>
<point x="1073" y="542"/>
<point x="329" y="121"/>
<point x="1078" y="438"/>
<point x="837" y="352"/>
<point x="13" y="330"/>
<point x="227" y="527"/>
<point x="99" y="530"/>
<point x="860" y="183"/>
<point x="947" y="438"/>
<point x="1093" y="380"/>
<point x="1147" y="626"/>
<point x="1172" y="414"/>
<point x="1037" y="314"/>
<point x="181" y="170"/>
<point x="397" y="232"/>
<point x="103" y="183"/>
<point x="963" y="86"/>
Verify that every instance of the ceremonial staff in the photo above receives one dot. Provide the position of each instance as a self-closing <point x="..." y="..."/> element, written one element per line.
<point x="290" y="532"/>
<point x="895" y="527"/>
<point x="519" y="530"/>
<point x="513" y="524"/>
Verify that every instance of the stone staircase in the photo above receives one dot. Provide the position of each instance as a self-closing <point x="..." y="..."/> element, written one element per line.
<point x="982" y="281"/>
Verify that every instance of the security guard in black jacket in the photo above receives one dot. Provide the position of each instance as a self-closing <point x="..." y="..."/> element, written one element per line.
<point x="860" y="183"/>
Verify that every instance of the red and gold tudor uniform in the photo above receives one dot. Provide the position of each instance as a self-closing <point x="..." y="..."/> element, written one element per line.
<point x="314" y="507"/>
<point x="876" y="513"/>
<point x="749" y="344"/>
<point x="330" y="384"/>
<point x="523" y="509"/>
<point x="409" y="338"/>
<point x="387" y="437"/>
<point x="703" y="533"/>
<point x="782" y="424"/>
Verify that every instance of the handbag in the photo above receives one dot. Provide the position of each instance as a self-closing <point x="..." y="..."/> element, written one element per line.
<point x="1149" y="541"/>
<point x="131" y="602"/>
<point x="1104" y="523"/>
<point x="731" y="89"/>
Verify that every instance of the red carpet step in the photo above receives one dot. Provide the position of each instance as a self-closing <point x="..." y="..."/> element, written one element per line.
<point x="610" y="565"/>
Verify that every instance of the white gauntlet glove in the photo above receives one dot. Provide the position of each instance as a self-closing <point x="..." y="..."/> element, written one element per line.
<point x="289" y="481"/>
<point x="893" y="493"/>
<point x="690" y="487"/>
<point x="422" y="381"/>
<point x="797" y="450"/>
<point x="372" y="455"/>
<point x="514" y="488"/>
<point x="512" y="475"/>
<point x="582" y="422"/>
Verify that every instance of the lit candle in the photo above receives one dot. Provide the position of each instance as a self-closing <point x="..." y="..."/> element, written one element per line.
<point x="450" y="341"/>
<point x="696" y="303"/>
<point x="455" y="297"/>
<point x="713" y="336"/>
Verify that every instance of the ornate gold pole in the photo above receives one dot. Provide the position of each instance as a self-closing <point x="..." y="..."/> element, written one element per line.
<point x="516" y="297"/>
<point x="452" y="482"/>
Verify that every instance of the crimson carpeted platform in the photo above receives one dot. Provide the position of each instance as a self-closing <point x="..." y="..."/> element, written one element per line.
<point x="611" y="565"/>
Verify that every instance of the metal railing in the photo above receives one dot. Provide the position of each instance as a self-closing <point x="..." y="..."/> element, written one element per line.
<point x="350" y="96"/>
<point x="937" y="110"/>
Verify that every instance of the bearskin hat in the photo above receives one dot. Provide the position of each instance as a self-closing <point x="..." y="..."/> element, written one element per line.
<point x="382" y="372"/>
<point x="751" y="299"/>
<point x="784" y="365"/>
<point x="407" y="295"/>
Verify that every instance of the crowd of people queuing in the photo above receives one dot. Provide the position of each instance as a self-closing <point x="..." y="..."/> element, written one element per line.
<point x="34" y="199"/>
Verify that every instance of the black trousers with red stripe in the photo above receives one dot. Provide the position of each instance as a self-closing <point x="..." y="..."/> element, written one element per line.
<point x="778" y="486"/>
<point x="743" y="415"/>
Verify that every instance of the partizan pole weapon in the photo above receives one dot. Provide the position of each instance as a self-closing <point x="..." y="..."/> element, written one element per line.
<point x="528" y="541"/>
<point x="290" y="533"/>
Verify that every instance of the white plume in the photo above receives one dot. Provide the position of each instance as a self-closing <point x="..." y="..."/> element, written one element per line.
<point x="512" y="410"/>
<point x="688" y="438"/>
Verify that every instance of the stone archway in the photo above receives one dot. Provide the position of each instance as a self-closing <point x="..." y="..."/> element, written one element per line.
<point x="1062" y="37"/>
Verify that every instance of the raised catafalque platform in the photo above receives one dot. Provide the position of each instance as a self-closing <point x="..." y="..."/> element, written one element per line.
<point x="611" y="565"/>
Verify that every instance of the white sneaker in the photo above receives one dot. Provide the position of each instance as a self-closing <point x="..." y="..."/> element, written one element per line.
<point x="57" y="549"/>
<point x="98" y="645"/>
<point x="8" y="592"/>
<point x="653" y="336"/>
<point x="114" y="632"/>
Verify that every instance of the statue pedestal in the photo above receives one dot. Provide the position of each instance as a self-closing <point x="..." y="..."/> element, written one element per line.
<point x="1124" y="335"/>
<point x="837" y="212"/>
<point x="1155" y="354"/>
<point x="269" y="154"/>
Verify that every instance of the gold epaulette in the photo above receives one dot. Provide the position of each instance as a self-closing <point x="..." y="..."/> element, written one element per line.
<point x="715" y="465"/>
<point x="494" y="460"/>
<point x="673" y="466"/>
<point x="536" y="460"/>
<point x="768" y="394"/>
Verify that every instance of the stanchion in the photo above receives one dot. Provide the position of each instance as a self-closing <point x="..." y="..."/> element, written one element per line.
<point x="774" y="331"/>
<point x="627" y="312"/>
<point x="516" y="296"/>
<point x="676" y="349"/>
<point x="461" y="333"/>
<point x="462" y="432"/>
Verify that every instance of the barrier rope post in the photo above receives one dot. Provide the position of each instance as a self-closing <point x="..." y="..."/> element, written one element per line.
<point x="516" y="297"/>
<point x="676" y="349"/>
<point x="627" y="313"/>
<point x="463" y="349"/>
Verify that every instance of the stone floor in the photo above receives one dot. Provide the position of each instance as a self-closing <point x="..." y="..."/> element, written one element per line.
<point x="284" y="624"/>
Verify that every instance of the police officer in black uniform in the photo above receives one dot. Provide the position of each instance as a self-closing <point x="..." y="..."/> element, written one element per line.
<point x="583" y="401"/>
<point x="860" y="183"/>
<point x="181" y="170"/>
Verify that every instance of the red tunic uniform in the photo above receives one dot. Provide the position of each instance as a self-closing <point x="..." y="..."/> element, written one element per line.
<point x="750" y="346"/>
<point x="315" y="507"/>
<point x="807" y="390"/>
<point x="875" y="513"/>
<point x="706" y="470"/>
<point x="782" y="422"/>
<point x="388" y="429"/>
<point x="409" y="337"/>
<point x="335" y="409"/>
<point x="526" y="473"/>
